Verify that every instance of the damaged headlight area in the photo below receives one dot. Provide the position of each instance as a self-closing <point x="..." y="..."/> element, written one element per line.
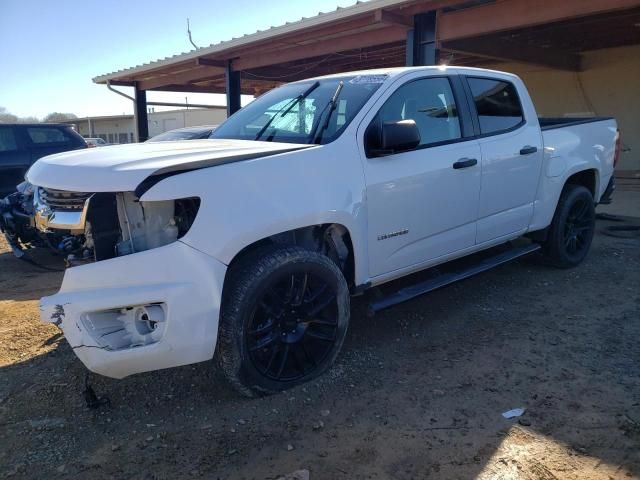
<point x="88" y="227"/>
<point x="119" y="224"/>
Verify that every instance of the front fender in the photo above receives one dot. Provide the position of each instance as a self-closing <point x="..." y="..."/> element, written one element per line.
<point x="244" y="202"/>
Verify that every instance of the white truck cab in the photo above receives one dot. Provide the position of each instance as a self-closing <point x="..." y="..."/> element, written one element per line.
<point x="249" y="244"/>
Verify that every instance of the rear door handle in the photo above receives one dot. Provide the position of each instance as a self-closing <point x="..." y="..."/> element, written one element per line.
<point x="528" y="150"/>
<point x="465" y="163"/>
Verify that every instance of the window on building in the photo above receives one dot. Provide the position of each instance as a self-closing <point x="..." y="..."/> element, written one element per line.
<point x="7" y="139"/>
<point x="122" y="138"/>
<point x="497" y="104"/>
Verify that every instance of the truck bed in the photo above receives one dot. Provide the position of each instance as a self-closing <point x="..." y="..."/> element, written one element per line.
<point x="549" y="123"/>
<point x="578" y="140"/>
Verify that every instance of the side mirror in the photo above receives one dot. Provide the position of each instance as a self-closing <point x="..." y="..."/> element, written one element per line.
<point x="392" y="137"/>
<point x="400" y="136"/>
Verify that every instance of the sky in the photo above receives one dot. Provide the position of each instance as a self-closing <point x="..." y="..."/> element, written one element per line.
<point x="51" y="49"/>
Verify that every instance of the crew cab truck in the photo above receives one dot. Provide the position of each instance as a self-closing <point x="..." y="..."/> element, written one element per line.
<point x="248" y="245"/>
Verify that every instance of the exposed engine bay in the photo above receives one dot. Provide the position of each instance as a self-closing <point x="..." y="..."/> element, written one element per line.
<point x="87" y="227"/>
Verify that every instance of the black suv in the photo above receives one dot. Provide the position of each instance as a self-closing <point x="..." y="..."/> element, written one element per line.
<point x="23" y="143"/>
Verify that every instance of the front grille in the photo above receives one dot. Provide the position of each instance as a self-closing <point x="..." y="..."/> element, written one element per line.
<point x="61" y="200"/>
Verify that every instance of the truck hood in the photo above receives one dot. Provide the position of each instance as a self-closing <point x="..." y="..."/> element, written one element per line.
<point x="122" y="168"/>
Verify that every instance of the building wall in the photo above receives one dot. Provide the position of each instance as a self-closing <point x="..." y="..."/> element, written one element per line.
<point x="160" y="122"/>
<point x="121" y="129"/>
<point x="608" y="86"/>
<point x="112" y="130"/>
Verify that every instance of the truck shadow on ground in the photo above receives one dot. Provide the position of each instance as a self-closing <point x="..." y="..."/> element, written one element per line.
<point x="22" y="280"/>
<point x="418" y="392"/>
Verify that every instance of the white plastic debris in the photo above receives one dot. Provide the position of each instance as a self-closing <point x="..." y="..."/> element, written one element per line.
<point x="516" y="412"/>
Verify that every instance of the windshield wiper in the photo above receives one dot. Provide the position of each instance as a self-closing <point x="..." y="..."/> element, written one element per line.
<point x="287" y="108"/>
<point x="333" y="103"/>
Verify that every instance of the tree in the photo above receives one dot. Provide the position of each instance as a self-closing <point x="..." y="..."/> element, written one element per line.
<point x="6" y="117"/>
<point x="59" y="117"/>
<point x="28" y="120"/>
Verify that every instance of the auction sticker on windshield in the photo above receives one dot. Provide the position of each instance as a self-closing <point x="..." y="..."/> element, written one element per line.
<point x="360" y="79"/>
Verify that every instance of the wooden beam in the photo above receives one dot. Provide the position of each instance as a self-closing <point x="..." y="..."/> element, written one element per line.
<point x="198" y="73"/>
<point x="123" y="83"/>
<point x="390" y="18"/>
<point x="513" y="14"/>
<point x="343" y="62"/>
<point x="497" y="49"/>
<point x="208" y="62"/>
<point x="353" y="26"/>
<point x="151" y="71"/>
<point x="340" y="44"/>
<point x="188" y="88"/>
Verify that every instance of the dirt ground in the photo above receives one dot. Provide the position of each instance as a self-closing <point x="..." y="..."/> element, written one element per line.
<point x="418" y="391"/>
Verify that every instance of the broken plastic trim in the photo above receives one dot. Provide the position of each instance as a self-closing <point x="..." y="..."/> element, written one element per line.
<point x="127" y="327"/>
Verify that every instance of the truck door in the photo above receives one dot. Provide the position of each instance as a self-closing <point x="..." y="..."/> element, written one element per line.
<point x="422" y="204"/>
<point x="511" y="144"/>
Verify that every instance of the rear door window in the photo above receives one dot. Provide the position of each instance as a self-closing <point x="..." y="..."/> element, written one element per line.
<point x="497" y="104"/>
<point x="8" y="141"/>
<point x="47" y="135"/>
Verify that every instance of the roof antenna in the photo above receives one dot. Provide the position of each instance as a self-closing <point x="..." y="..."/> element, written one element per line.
<point x="189" y="33"/>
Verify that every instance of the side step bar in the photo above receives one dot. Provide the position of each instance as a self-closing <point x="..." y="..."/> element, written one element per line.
<point x="431" y="284"/>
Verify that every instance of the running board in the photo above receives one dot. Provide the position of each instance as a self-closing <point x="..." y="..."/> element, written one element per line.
<point x="431" y="284"/>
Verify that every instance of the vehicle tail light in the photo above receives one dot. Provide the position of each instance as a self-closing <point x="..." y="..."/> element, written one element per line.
<point x="617" y="149"/>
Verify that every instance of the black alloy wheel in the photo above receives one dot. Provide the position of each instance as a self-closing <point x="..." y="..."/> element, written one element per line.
<point x="294" y="327"/>
<point x="579" y="227"/>
<point x="284" y="318"/>
<point x="572" y="228"/>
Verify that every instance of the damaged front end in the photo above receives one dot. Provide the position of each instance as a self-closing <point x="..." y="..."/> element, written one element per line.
<point x="88" y="227"/>
<point x="17" y="220"/>
<point x="134" y="297"/>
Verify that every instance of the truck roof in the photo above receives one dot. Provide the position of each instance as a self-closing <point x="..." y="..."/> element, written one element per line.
<point x="395" y="71"/>
<point x="33" y="124"/>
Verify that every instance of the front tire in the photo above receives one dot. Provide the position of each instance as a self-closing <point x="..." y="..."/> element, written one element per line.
<point x="572" y="228"/>
<point x="284" y="318"/>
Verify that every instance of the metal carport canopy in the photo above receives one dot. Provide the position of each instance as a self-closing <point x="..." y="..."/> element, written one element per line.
<point x="380" y="33"/>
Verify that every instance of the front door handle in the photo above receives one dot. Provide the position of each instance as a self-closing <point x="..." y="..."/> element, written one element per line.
<point x="528" y="150"/>
<point x="465" y="163"/>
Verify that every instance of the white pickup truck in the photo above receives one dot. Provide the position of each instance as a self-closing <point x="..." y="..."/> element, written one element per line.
<point x="249" y="244"/>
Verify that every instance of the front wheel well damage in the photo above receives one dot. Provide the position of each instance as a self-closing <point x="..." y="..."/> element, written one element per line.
<point x="330" y="239"/>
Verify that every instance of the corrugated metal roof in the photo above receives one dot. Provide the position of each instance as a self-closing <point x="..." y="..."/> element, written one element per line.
<point x="339" y="13"/>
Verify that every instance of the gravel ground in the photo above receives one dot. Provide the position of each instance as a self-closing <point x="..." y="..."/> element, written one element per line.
<point x="417" y="393"/>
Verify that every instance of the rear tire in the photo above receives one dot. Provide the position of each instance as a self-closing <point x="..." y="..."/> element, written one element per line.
<point x="572" y="228"/>
<point x="285" y="313"/>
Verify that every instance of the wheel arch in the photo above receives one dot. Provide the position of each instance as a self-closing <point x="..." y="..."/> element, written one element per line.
<point x="549" y="196"/>
<point x="332" y="239"/>
<point x="588" y="178"/>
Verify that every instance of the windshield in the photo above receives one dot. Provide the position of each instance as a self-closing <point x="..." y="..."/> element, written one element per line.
<point x="292" y="113"/>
